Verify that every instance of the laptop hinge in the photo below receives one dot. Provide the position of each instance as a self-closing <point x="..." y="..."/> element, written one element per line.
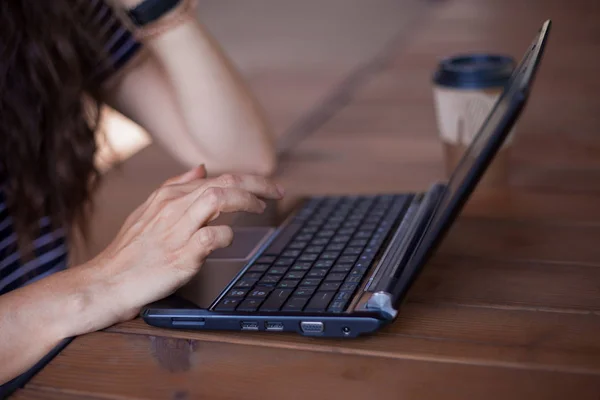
<point x="377" y="293"/>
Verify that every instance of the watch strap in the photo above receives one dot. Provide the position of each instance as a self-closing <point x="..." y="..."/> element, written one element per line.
<point x="151" y="10"/>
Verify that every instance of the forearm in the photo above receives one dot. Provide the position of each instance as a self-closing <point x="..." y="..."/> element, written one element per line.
<point x="35" y="318"/>
<point x="217" y="108"/>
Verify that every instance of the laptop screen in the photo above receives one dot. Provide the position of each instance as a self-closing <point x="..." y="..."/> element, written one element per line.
<point x="519" y="79"/>
<point x="490" y="136"/>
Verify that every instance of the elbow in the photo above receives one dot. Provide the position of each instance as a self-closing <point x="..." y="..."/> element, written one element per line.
<point x="264" y="164"/>
<point x="268" y="165"/>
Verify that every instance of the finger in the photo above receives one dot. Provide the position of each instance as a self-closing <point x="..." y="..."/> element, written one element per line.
<point x="257" y="185"/>
<point x="175" y="187"/>
<point x="213" y="202"/>
<point x="208" y="239"/>
<point x="198" y="172"/>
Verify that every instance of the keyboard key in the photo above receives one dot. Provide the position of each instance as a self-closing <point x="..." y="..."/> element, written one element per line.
<point x="314" y="249"/>
<point x="259" y="267"/>
<point x="308" y="257"/>
<point x="343" y="296"/>
<point x="335" y="277"/>
<point x="295" y="304"/>
<point x="269" y="279"/>
<point x="358" y="242"/>
<point x="324" y="263"/>
<point x="260" y="292"/>
<point x="363" y="234"/>
<point x="237" y="292"/>
<point x="253" y="275"/>
<point x="249" y="305"/>
<point x="335" y="247"/>
<point x="245" y="283"/>
<point x="317" y="273"/>
<point x="341" y="239"/>
<point x="277" y="271"/>
<point x="311" y="229"/>
<point x="319" y="242"/>
<point x="342" y="268"/>
<point x="319" y="301"/>
<point x="337" y="306"/>
<point x="353" y="251"/>
<point x="304" y="291"/>
<point x="348" y="259"/>
<point x="326" y="233"/>
<point x="311" y="282"/>
<point x="332" y="225"/>
<point x="301" y="266"/>
<point x="295" y="275"/>
<point x="329" y="255"/>
<point x="298" y="245"/>
<point x="330" y="286"/>
<point x="305" y="237"/>
<point x="284" y="262"/>
<point x="288" y="284"/>
<point x="227" y="304"/>
<point x="291" y="253"/>
<point x="346" y="231"/>
<point x="265" y="260"/>
<point x="353" y="279"/>
<point x="276" y="300"/>
<point x="349" y="286"/>
<point x="358" y="271"/>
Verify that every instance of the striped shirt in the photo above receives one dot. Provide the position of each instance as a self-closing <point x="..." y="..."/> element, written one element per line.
<point x="51" y="249"/>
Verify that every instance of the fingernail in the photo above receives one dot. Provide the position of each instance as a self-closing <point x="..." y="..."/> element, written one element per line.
<point x="263" y="205"/>
<point x="280" y="190"/>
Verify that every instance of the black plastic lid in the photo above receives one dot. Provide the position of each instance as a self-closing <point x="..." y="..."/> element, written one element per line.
<point x="474" y="71"/>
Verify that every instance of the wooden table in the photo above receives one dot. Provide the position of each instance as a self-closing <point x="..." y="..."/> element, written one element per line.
<point x="509" y="308"/>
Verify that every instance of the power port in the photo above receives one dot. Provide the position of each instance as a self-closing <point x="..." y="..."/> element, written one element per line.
<point x="274" y="326"/>
<point x="249" y="326"/>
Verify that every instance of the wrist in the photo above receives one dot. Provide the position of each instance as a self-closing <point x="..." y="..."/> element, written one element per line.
<point x="92" y="302"/>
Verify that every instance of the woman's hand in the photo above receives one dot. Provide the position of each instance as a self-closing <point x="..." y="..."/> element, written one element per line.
<point x="164" y="243"/>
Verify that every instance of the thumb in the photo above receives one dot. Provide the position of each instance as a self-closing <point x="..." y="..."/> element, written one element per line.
<point x="198" y="172"/>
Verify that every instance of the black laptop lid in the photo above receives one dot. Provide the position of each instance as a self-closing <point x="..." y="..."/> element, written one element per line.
<point x="476" y="159"/>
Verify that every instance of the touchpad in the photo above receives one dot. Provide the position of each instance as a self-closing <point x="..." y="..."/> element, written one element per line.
<point x="223" y="265"/>
<point x="246" y="241"/>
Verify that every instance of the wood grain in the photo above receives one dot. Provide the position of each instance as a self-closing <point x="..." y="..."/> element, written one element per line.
<point x="518" y="240"/>
<point x="52" y="394"/>
<point x="530" y="285"/>
<point x="156" y="368"/>
<point x="515" y="338"/>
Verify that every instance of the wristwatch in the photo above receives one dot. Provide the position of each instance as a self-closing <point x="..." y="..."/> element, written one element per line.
<point x="150" y="10"/>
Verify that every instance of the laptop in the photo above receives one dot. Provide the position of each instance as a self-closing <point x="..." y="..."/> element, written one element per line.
<point x="340" y="266"/>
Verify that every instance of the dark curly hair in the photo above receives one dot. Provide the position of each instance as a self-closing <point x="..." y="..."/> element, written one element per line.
<point x="49" y="113"/>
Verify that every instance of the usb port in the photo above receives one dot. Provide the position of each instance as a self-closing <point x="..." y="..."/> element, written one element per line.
<point x="249" y="326"/>
<point x="274" y="326"/>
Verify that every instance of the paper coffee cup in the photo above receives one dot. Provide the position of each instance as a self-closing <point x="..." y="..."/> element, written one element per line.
<point x="466" y="88"/>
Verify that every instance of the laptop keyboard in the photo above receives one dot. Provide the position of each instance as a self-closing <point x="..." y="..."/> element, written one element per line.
<point x="320" y="259"/>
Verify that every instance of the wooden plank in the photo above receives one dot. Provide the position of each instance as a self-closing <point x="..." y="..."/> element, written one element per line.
<point x="516" y="240"/>
<point x="47" y="393"/>
<point x="526" y="285"/>
<point x="525" y="205"/>
<point x="181" y="368"/>
<point x="501" y="336"/>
